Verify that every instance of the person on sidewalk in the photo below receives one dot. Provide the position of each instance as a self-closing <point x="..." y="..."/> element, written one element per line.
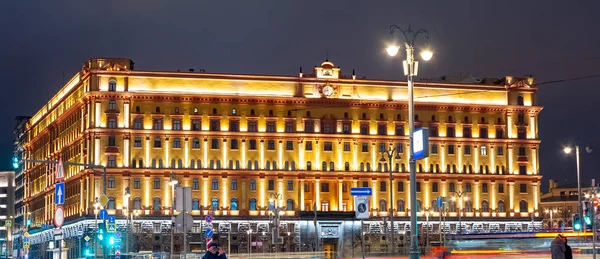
<point x="557" y="248"/>
<point x="568" y="251"/>
<point x="214" y="252"/>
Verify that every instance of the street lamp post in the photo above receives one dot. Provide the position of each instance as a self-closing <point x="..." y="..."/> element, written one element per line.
<point x="276" y="211"/>
<point x="127" y="214"/>
<point x="390" y="155"/>
<point x="427" y="211"/>
<point x="97" y="207"/>
<point x="551" y="212"/>
<point x="173" y="184"/>
<point x="249" y="241"/>
<point x="592" y="196"/>
<point x="410" y="66"/>
<point x="568" y="150"/>
<point x="460" y="210"/>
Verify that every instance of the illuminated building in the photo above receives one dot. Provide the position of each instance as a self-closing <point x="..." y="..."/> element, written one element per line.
<point x="7" y="202"/>
<point x="561" y="201"/>
<point x="238" y="139"/>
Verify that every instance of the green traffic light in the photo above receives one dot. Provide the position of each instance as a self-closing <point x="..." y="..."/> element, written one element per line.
<point x="588" y="220"/>
<point x="577" y="226"/>
<point x="15" y="162"/>
<point x="111" y="240"/>
<point x="100" y="235"/>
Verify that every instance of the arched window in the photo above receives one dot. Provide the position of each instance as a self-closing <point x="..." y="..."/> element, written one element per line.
<point x="466" y="119"/>
<point x="485" y="207"/>
<point x="195" y="110"/>
<point x="233" y="111"/>
<point x="362" y="167"/>
<point x="347" y="167"/>
<point x="215" y="203"/>
<point x="157" y="110"/>
<point x="255" y="165"/>
<point x="153" y="162"/>
<point x="218" y="164"/>
<point x="293" y="166"/>
<point x="179" y="163"/>
<point x="432" y="117"/>
<point x="112" y="85"/>
<point x="237" y="164"/>
<point x="214" y="111"/>
<point x="111" y="203"/>
<point x="368" y="167"/>
<point x="176" y="110"/>
<point x="212" y="164"/>
<point x="431" y="168"/>
<point x="286" y="165"/>
<point x="308" y="166"/>
<point x="268" y="166"/>
<point x="160" y="163"/>
<point x="364" y="116"/>
<point x="141" y="163"/>
<point x="397" y="168"/>
<point x="481" y="169"/>
<point x="382" y="205"/>
<point x="331" y="166"/>
<point x="137" y="203"/>
<point x="520" y="100"/>
<point x="398" y="117"/>
<point x="403" y="167"/>
<point x="418" y="205"/>
<point x="308" y="114"/>
<point x="420" y="168"/>
<point x="437" y="168"/>
<point x="290" y="204"/>
<point x="253" y="204"/>
<point x="448" y="168"/>
<point x="234" y="204"/>
<point x="270" y="112"/>
<point x="400" y="206"/>
<point x="487" y="169"/>
<point x="324" y="166"/>
<point x="523" y="206"/>
<point x="345" y="115"/>
<point x="468" y="206"/>
<point x="452" y="206"/>
<point x="195" y="204"/>
<point x="230" y="164"/>
<point x="501" y="206"/>
<point x="156" y="203"/>
<point x="449" y="118"/>
<point x="381" y="116"/>
<point x="497" y="170"/>
<point x="133" y="163"/>
<point x="252" y="112"/>
<point x="137" y="109"/>
<point x="172" y="162"/>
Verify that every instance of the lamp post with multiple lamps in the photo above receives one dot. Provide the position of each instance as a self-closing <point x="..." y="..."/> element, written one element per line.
<point x="460" y="209"/>
<point x="551" y="213"/>
<point x="97" y="208"/>
<point x="276" y="209"/>
<point x="592" y="197"/>
<point x="568" y="150"/>
<point x="173" y="183"/>
<point x="410" y="66"/>
<point x="390" y="156"/>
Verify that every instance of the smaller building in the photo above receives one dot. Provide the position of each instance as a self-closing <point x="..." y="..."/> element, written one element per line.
<point x="560" y="203"/>
<point x="7" y="201"/>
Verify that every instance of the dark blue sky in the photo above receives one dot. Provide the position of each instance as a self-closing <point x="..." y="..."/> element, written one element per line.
<point x="551" y="40"/>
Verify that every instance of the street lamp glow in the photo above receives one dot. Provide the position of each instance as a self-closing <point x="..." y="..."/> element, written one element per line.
<point x="568" y="150"/>
<point x="426" y="55"/>
<point x="392" y="50"/>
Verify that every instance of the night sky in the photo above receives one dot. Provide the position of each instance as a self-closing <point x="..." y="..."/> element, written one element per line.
<point x="42" y="40"/>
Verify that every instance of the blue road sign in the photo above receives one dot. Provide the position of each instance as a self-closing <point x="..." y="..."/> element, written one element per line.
<point x="59" y="193"/>
<point x="25" y="239"/>
<point x="103" y="214"/>
<point x="87" y="243"/>
<point x="209" y="232"/>
<point x="80" y="233"/>
<point x="208" y="218"/>
<point x="361" y="191"/>
<point x="111" y="219"/>
<point x="111" y="228"/>
<point x="438" y="202"/>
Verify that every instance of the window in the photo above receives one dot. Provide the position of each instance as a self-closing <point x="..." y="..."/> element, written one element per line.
<point x="309" y="126"/>
<point x="234" y="203"/>
<point x="252" y="144"/>
<point x="434" y="187"/>
<point x="328" y="146"/>
<point x="308" y="166"/>
<point x="500" y="151"/>
<point x="346" y="128"/>
<point x="111" y="203"/>
<point x="468" y="206"/>
<point x="433" y="131"/>
<point x="434" y="148"/>
<point x="450" y="149"/>
<point x="137" y="183"/>
<point x="196" y="184"/>
<point x="382" y="147"/>
<point x="137" y="203"/>
<point x="112" y="161"/>
<point x="289" y="145"/>
<point x="523" y="206"/>
<point x="112" y="85"/>
<point x="467" y="132"/>
<point x="176" y="124"/>
<point x="522" y="151"/>
<point x="483" y="150"/>
<point x="452" y="187"/>
<point x="111" y="182"/>
<point x="214" y="184"/>
<point x="157" y="142"/>
<point x="270" y="126"/>
<point x="521" y="133"/>
<point x="523" y="188"/>
<point x="499" y="133"/>
<point x="214" y="111"/>
<point x="467" y="150"/>
<point x="483" y="133"/>
<point x="196" y="125"/>
<point x="501" y="206"/>
<point x="112" y="123"/>
<point x="346" y="146"/>
<point x="290" y="185"/>
<point x="289" y="127"/>
<point x="271" y="144"/>
<point x="214" y="144"/>
<point x="306" y="187"/>
<point x="382" y="205"/>
<point x="400" y="186"/>
<point x="234" y="184"/>
<point x="234" y="144"/>
<point x="176" y="143"/>
<point x="253" y="185"/>
<point x="328" y="128"/>
<point x="137" y="142"/>
<point x="252" y="204"/>
<point x="309" y="146"/>
<point x="365" y="147"/>
<point x="364" y="129"/>
<point x="112" y="105"/>
<point x="520" y="100"/>
<point x="399" y="130"/>
<point x="138" y="123"/>
<point x="271" y="185"/>
<point x="252" y="126"/>
<point x="400" y="206"/>
<point x="215" y="203"/>
<point x="195" y="143"/>
<point x="290" y="204"/>
<point x="156" y="183"/>
<point x="325" y="206"/>
<point x="112" y="141"/>
<point x="500" y="188"/>
<point x="215" y="125"/>
<point x="195" y="204"/>
<point x="523" y="170"/>
<point x="485" y="207"/>
<point x="468" y="187"/>
<point x="157" y="124"/>
<point x="382" y="186"/>
<point x="381" y="129"/>
<point x="450" y="132"/>
<point x="324" y="187"/>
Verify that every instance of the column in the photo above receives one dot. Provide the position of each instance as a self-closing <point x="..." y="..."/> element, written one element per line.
<point x="81" y="198"/>
<point x="166" y="147"/>
<point x="477" y="191"/>
<point x="351" y="205"/>
<point x="225" y="200"/>
<point x="444" y="188"/>
<point x="301" y="187"/>
<point x="318" y="194"/>
<point x="340" y="197"/>
<point x="97" y="150"/>
<point x="97" y="114"/>
<point x="493" y="193"/>
<point x="374" y="202"/>
<point x="536" y="198"/>
<point x="511" y="199"/>
<point x="126" y="114"/>
<point x="186" y="153"/>
<point x="126" y="151"/>
<point x="205" y="191"/>
<point x="167" y="195"/>
<point x="147" y="192"/>
<point x="509" y="125"/>
<point x="224" y="154"/>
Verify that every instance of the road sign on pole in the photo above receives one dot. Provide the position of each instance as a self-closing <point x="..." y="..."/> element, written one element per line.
<point x="59" y="216"/>
<point x="111" y="219"/>
<point x="111" y="228"/>
<point x="361" y="191"/>
<point x="103" y="200"/>
<point x="8" y="223"/>
<point x="59" y="193"/>
<point x="103" y="214"/>
<point x="209" y="232"/>
<point x="362" y="207"/>
<point x="208" y="218"/>
<point x="60" y="171"/>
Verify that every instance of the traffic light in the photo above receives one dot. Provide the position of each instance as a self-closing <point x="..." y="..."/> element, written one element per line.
<point x="28" y="222"/>
<point x="15" y="162"/>
<point x="101" y="232"/>
<point x="577" y="222"/>
<point x="88" y="252"/>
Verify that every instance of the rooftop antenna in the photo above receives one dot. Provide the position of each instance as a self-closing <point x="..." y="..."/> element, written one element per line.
<point x="326" y="56"/>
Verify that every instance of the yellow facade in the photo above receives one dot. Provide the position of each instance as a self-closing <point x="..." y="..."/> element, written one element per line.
<point x="248" y="137"/>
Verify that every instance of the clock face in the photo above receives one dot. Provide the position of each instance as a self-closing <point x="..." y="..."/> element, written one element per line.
<point x="327" y="90"/>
